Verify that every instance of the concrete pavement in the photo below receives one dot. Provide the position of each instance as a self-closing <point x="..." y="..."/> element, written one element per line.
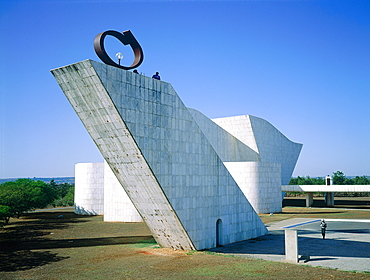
<point x="346" y="247"/>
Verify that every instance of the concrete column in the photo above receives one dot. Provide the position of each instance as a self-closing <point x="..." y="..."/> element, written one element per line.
<point x="330" y="199"/>
<point x="291" y="245"/>
<point x="309" y="199"/>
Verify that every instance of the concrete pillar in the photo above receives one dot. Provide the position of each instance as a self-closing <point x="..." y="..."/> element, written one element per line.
<point x="89" y="189"/>
<point x="330" y="199"/>
<point x="309" y="199"/>
<point x="291" y="245"/>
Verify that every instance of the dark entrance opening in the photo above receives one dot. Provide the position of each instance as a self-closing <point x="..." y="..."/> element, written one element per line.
<point x="219" y="234"/>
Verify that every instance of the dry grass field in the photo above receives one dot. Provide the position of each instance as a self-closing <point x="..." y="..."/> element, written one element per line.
<point x="46" y="245"/>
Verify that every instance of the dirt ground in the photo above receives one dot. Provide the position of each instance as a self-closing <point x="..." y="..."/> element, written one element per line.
<point x="61" y="245"/>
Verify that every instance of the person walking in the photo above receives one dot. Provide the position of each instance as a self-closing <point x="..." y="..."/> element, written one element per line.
<point x="323" y="226"/>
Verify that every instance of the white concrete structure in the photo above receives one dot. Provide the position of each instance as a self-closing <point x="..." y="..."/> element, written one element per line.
<point x="325" y="188"/>
<point x="89" y="189"/>
<point x="98" y="192"/>
<point x="291" y="245"/>
<point x="254" y="152"/>
<point x="260" y="183"/>
<point x="328" y="180"/>
<point x="117" y="205"/>
<point x="268" y="142"/>
<point x="328" y="189"/>
<point x="166" y="161"/>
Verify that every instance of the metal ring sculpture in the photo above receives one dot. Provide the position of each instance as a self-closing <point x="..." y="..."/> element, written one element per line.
<point x="126" y="38"/>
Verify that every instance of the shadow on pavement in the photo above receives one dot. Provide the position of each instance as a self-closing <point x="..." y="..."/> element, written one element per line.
<point x="274" y="244"/>
<point x="321" y="259"/>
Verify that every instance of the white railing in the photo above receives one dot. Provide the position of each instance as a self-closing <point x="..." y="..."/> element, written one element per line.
<point x="325" y="188"/>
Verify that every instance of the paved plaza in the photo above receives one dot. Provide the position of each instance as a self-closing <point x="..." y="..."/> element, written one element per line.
<point x="346" y="247"/>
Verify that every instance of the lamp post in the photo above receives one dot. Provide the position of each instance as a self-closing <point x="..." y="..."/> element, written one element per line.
<point x="119" y="56"/>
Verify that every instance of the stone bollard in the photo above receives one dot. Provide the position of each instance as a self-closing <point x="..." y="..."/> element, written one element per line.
<point x="291" y="245"/>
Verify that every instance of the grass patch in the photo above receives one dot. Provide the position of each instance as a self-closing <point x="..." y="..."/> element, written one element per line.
<point x="236" y="271"/>
<point x="128" y="251"/>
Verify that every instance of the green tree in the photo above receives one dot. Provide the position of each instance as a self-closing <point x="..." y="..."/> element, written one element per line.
<point x="63" y="189"/>
<point x="4" y="214"/>
<point x="67" y="200"/>
<point x="318" y="181"/>
<point x="306" y="181"/>
<point x="340" y="179"/>
<point x="25" y="194"/>
<point x="69" y="197"/>
<point x="64" y="192"/>
<point x="363" y="180"/>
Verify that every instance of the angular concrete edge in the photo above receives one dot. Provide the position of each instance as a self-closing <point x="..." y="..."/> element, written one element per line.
<point x="161" y="187"/>
<point x="234" y="151"/>
<point x="266" y="140"/>
<point x="117" y="205"/>
<point x="91" y="102"/>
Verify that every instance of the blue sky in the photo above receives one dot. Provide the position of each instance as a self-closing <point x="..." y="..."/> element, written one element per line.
<point x="304" y="66"/>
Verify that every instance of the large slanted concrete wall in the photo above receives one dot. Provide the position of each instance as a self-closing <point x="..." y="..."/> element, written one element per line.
<point x="160" y="156"/>
<point x="259" y="181"/>
<point x="89" y="97"/>
<point x="117" y="205"/>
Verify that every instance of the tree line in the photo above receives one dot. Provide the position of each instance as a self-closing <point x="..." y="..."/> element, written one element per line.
<point x="339" y="178"/>
<point x="22" y="195"/>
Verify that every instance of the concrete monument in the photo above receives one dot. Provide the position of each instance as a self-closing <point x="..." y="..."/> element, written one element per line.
<point x="188" y="177"/>
<point x="166" y="165"/>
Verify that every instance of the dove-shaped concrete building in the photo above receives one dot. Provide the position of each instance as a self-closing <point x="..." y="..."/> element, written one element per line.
<point x="197" y="183"/>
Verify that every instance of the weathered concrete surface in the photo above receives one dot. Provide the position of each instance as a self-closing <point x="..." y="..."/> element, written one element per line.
<point x="160" y="156"/>
<point x="291" y="245"/>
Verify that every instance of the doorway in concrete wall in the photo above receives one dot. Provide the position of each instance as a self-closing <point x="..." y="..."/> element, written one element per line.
<point x="219" y="233"/>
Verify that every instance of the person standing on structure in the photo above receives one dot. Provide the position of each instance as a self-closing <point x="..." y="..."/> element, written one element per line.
<point x="156" y="76"/>
<point x="323" y="226"/>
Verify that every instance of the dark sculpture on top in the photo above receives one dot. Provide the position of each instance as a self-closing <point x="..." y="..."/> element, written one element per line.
<point x="127" y="38"/>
